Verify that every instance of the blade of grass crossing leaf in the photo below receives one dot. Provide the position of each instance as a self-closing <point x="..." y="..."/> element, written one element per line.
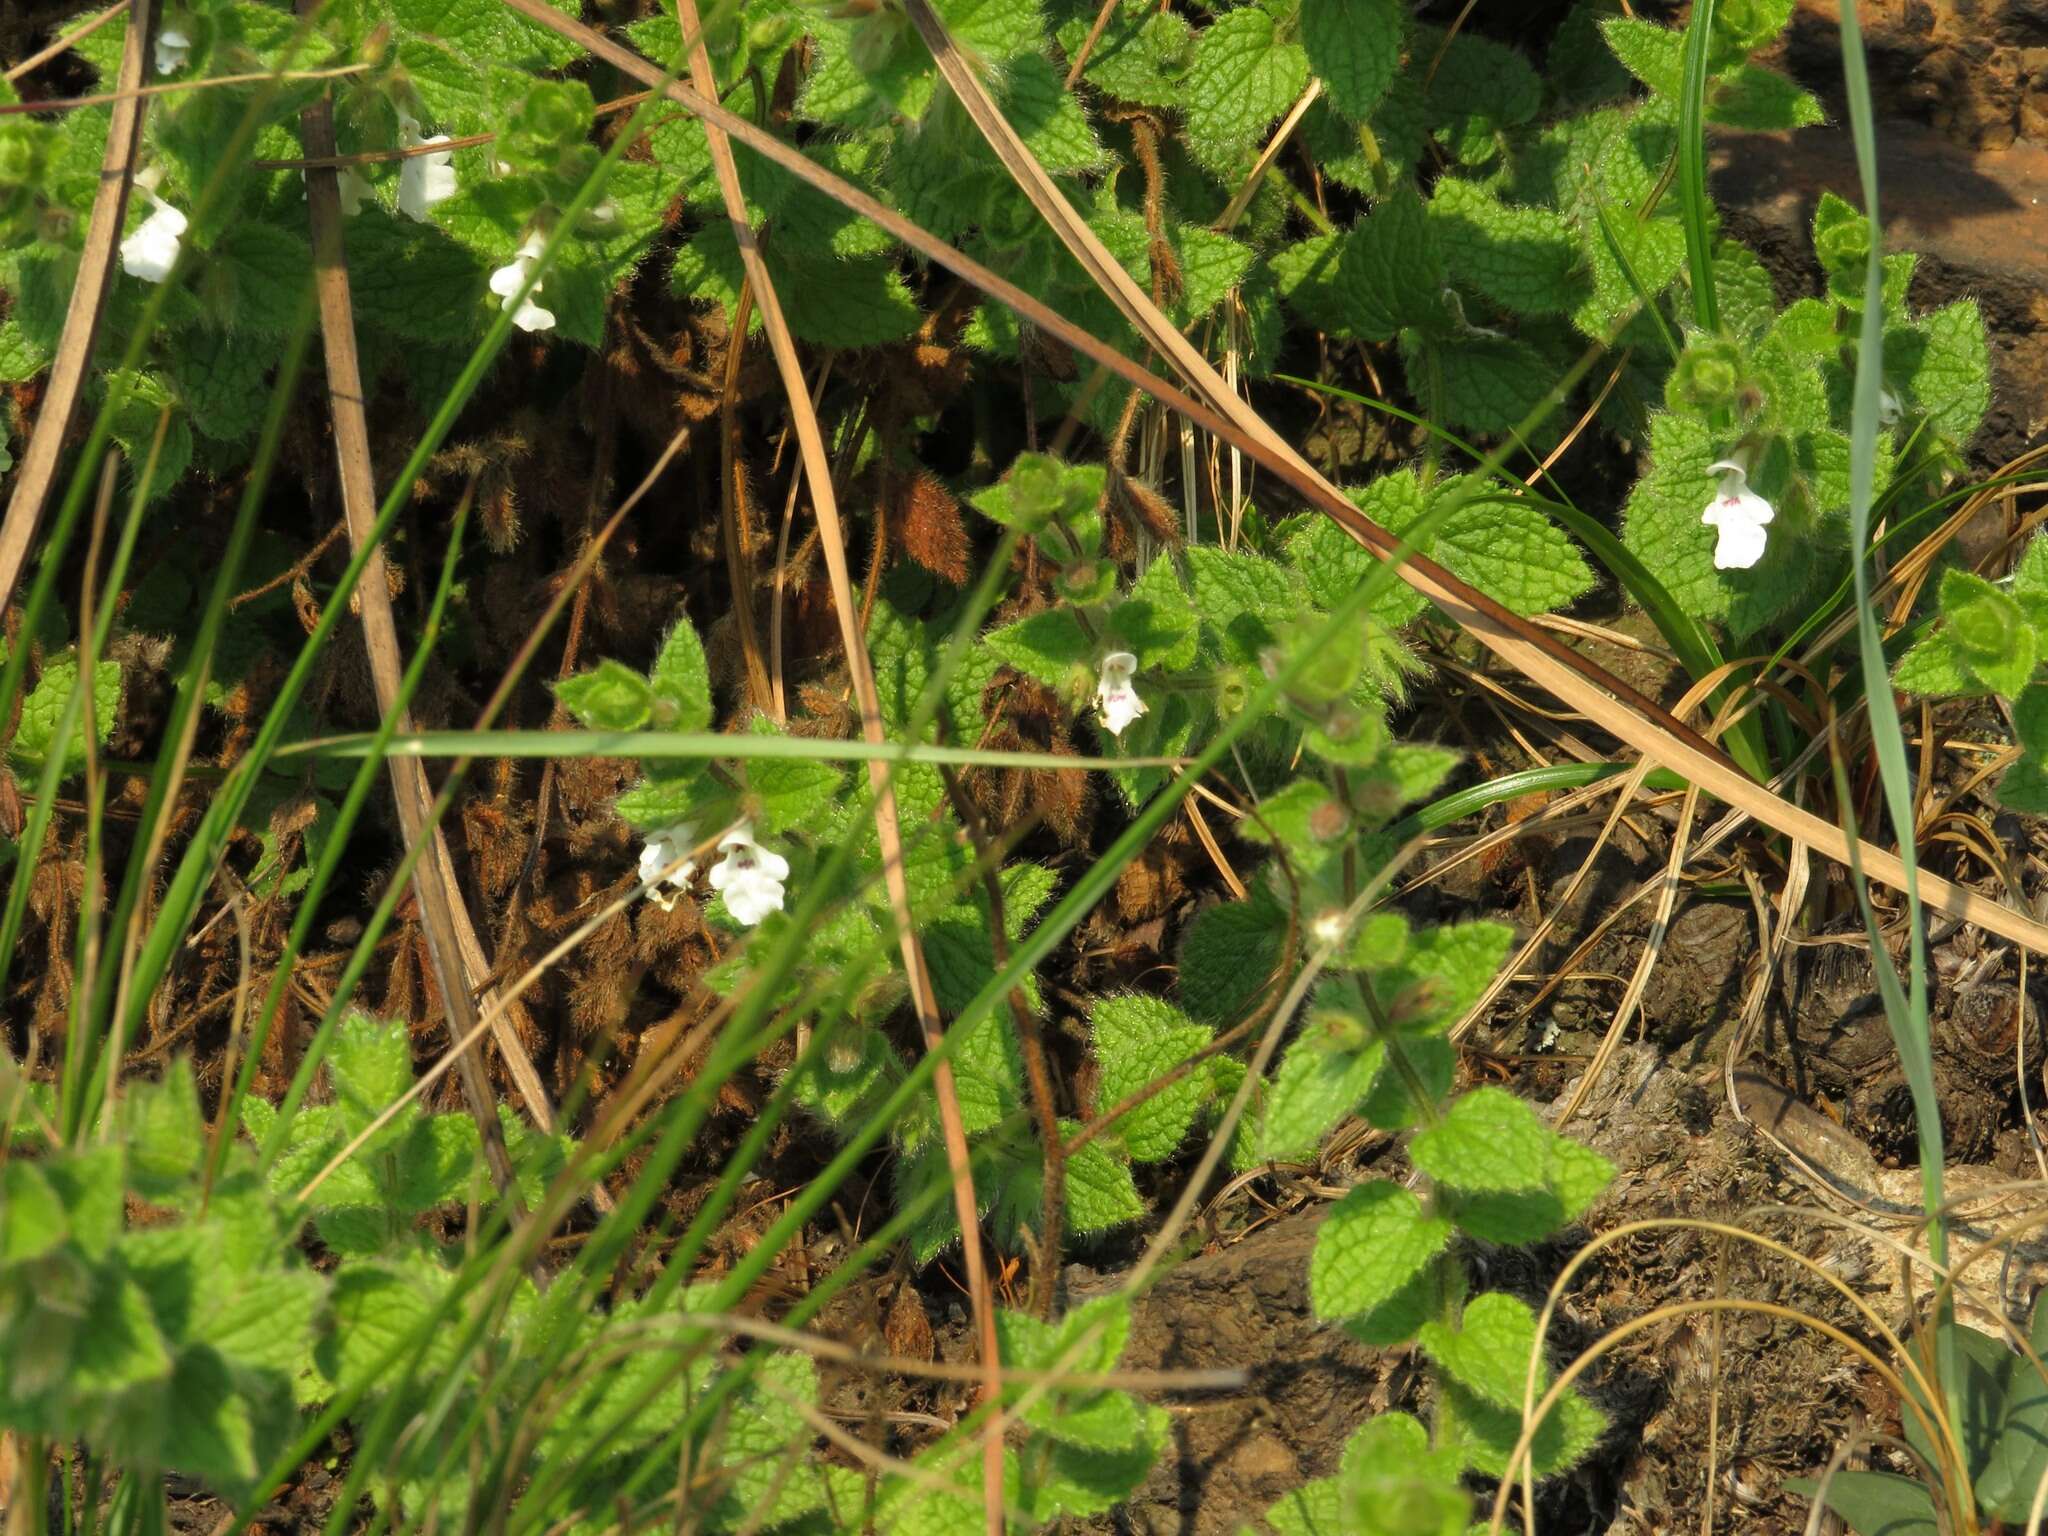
<point x="1906" y="1007"/>
<point x="699" y="746"/>
<point x="1695" y="209"/>
<point x="1643" y="295"/>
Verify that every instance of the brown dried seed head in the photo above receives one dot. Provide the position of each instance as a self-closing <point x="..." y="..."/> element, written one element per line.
<point x="933" y="533"/>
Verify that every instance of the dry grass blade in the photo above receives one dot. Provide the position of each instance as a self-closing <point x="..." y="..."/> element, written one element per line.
<point x="39" y="461"/>
<point x="456" y="952"/>
<point x="817" y="469"/>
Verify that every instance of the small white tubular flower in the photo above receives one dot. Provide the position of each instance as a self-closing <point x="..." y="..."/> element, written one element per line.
<point x="1740" y="515"/>
<point x="152" y="250"/>
<point x="423" y="180"/>
<point x="355" y="190"/>
<point x="749" y="877"/>
<point x="663" y="849"/>
<point x="1888" y="409"/>
<point x="510" y="278"/>
<point x="172" y="46"/>
<point x="1115" y="699"/>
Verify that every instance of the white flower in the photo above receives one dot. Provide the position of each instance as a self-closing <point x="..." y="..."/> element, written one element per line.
<point x="353" y="186"/>
<point x="662" y="850"/>
<point x="172" y="44"/>
<point x="749" y="877"/>
<point x="152" y="250"/>
<point x="510" y="278"/>
<point x="1115" y="698"/>
<point x="1740" y="514"/>
<point x="423" y="180"/>
<point x="1888" y="409"/>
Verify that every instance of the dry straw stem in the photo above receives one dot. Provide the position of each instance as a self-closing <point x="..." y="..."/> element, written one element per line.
<point x="460" y="964"/>
<point x="1532" y="1413"/>
<point x="39" y="461"/>
<point x="817" y="471"/>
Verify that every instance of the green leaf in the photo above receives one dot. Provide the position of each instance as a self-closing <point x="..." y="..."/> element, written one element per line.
<point x="1229" y="956"/>
<point x="680" y="681"/>
<point x="1142" y="55"/>
<point x="1316" y="1508"/>
<point x="263" y="1321"/>
<point x="1076" y="1481"/>
<point x="1048" y="645"/>
<point x="370" y="1065"/>
<point x="1244" y="75"/>
<point x="1524" y="259"/>
<point x="1243" y="597"/>
<point x="1988" y="631"/>
<point x="221" y="379"/>
<point x="1137" y="1040"/>
<point x="789" y="794"/>
<point x="1488" y="1141"/>
<point x="119" y="1345"/>
<point x="1949" y="378"/>
<point x="1487" y="1359"/>
<point x="43" y="709"/>
<point x="1100" y="1194"/>
<point x="437" y="1162"/>
<point x="1373" y="1244"/>
<point x="379" y="1306"/>
<point x="1654" y="54"/>
<point x="1442" y="973"/>
<point x="1744" y="291"/>
<point x="413" y="281"/>
<point x="1933" y="667"/>
<point x="667" y="798"/>
<point x="1156" y="621"/>
<point x="1761" y="101"/>
<point x="1511" y="1178"/>
<point x="258" y="274"/>
<point x="609" y="697"/>
<point x="33" y="1220"/>
<point x="208" y="1427"/>
<point x="1398" y="1484"/>
<point x="1318" y="1082"/>
<point x="1103" y="1420"/>
<point x="1513" y="553"/>
<point x="1355" y="46"/>
<point x="1481" y="90"/>
<point x="1370" y="281"/>
<point x="1876" y="1503"/>
<point x="1490" y="384"/>
<point x="165" y="1133"/>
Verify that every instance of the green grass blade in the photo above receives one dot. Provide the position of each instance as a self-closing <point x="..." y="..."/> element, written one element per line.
<point x="1695" y="208"/>
<point x="1905" y="1006"/>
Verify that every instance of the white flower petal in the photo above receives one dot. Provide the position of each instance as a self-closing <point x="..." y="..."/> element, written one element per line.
<point x="355" y="189"/>
<point x="749" y="877"/>
<point x="1740" y="514"/>
<point x="173" y="44"/>
<point x="1116" y="701"/>
<point x="152" y="250"/>
<point x="1739" y="546"/>
<point x="424" y="180"/>
<point x="663" y="849"/>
